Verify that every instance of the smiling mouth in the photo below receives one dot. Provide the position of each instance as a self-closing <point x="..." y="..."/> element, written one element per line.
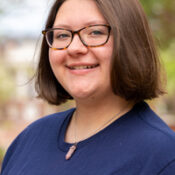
<point x="82" y="67"/>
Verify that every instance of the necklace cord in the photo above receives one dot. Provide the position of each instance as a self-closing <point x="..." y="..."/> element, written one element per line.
<point x="73" y="148"/>
<point x="98" y="129"/>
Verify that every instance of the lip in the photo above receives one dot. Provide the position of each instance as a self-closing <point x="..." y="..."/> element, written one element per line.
<point x="79" y="70"/>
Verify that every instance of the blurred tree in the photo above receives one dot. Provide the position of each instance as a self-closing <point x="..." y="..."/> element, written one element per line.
<point x="2" y="151"/>
<point x="168" y="56"/>
<point x="161" y="14"/>
<point x="7" y="84"/>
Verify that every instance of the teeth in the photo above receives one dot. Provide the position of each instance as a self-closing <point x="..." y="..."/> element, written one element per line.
<point x="82" y="67"/>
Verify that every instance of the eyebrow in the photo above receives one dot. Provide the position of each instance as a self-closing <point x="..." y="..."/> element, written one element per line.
<point x="67" y="26"/>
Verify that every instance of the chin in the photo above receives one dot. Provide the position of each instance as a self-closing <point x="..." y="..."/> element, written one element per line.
<point x="80" y="95"/>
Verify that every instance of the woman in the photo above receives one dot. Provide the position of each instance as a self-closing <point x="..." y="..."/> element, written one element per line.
<point x="101" y="54"/>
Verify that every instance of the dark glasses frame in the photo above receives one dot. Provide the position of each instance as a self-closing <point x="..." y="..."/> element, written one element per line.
<point x="44" y="32"/>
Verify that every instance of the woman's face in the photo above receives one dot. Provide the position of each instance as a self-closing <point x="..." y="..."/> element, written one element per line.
<point x="70" y="65"/>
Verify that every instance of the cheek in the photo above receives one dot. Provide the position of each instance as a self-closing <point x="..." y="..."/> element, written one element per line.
<point x="52" y="57"/>
<point x="109" y="52"/>
<point x="56" y="57"/>
<point x="104" y="54"/>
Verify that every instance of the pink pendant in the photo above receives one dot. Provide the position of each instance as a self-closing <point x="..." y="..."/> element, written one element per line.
<point x="71" y="151"/>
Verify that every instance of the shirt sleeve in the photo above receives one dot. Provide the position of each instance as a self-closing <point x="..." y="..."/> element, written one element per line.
<point x="169" y="169"/>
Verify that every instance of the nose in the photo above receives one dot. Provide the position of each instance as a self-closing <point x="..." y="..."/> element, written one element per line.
<point x="77" y="47"/>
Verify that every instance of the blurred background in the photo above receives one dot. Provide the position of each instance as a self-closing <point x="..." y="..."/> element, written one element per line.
<point x="21" y="22"/>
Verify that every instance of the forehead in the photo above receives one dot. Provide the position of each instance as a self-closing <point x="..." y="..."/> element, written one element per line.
<point x="78" y="13"/>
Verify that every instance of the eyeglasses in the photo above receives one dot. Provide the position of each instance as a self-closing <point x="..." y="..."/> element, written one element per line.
<point x="91" y="36"/>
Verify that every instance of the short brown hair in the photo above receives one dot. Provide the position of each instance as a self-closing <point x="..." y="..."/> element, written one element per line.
<point x="135" y="67"/>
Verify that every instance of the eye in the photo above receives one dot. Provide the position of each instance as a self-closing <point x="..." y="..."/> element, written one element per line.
<point x="62" y="36"/>
<point x="96" y="32"/>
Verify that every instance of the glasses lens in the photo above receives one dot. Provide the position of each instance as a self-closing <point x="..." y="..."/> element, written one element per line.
<point x="58" y="38"/>
<point x="95" y="35"/>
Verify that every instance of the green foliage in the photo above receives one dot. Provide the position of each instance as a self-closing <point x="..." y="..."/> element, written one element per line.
<point x="161" y="15"/>
<point x="7" y="84"/>
<point x="2" y="152"/>
<point x="168" y="56"/>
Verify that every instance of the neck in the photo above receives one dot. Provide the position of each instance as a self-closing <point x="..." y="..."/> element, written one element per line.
<point x="93" y="115"/>
<point x="94" y="112"/>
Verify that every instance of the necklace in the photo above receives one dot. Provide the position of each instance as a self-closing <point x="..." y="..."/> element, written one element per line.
<point x="74" y="146"/>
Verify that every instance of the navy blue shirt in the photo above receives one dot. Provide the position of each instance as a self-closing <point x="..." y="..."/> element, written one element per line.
<point x="138" y="143"/>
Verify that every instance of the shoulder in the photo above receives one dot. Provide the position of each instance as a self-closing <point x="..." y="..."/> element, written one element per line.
<point x="158" y="142"/>
<point x="168" y="169"/>
<point x="50" y="120"/>
<point x="45" y="126"/>
<point x="42" y="129"/>
<point x="153" y="127"/>
<point x="142" y="122"/>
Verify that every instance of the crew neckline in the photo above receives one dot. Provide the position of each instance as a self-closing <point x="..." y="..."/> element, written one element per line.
<point x="64" y="146"/>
